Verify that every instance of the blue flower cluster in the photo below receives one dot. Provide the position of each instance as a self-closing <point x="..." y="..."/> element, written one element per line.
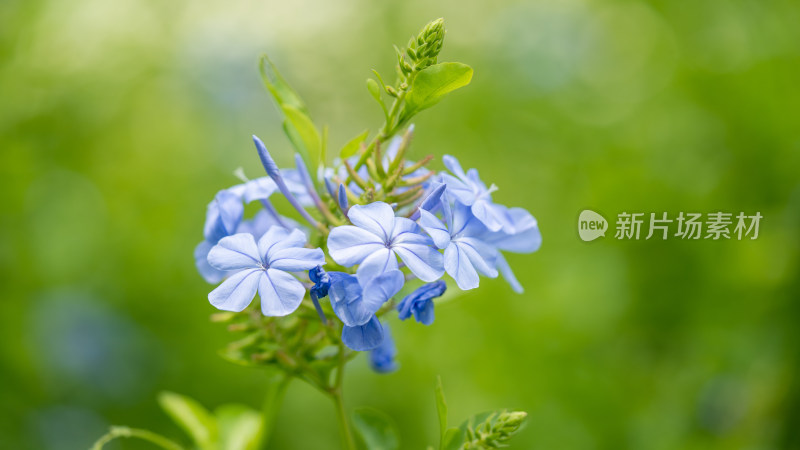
<point x="453" y="227"/>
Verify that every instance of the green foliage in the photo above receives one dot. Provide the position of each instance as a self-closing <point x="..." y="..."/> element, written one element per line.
<point x="190" y="415"/>
<point x="375" y="430"/>
<point x="352" y="146"/>
<point x="432" y="84"/>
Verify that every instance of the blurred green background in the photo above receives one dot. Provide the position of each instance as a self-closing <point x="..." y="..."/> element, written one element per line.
<point x="120" y="120"/>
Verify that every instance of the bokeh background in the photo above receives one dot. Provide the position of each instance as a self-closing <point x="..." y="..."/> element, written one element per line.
<point x="120" y="120"/>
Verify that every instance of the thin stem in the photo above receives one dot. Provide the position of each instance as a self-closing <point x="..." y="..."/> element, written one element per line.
<point x="125" y="432"/>
<point x="336" y="395"/>
<point x="276" y="388"/>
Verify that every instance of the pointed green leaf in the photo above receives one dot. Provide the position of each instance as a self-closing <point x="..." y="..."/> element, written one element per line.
<point x="375" y="429"/>
<point x="433" y="83"/>
<point x="190" y="415"/>
<point x="441" y="408"/>
<point x="283" y="94"/>
<point x="351" y="147"/>
<point x="239" y="427"/>
<point x="374" y="90"/>
<point x="303" y="135"/>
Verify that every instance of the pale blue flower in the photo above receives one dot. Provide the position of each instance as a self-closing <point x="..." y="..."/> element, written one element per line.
<point x="356" y="302"/>
<point x="382" y="357"/>
<point x="526" y="238"/>
<point x="462" y="236"/>
<point x="224" y="217"/>
<point x="420" y="302"/>
<point x="262" y="267"/>
<point x="471" y="191"/>
<point x="378" y="238"/>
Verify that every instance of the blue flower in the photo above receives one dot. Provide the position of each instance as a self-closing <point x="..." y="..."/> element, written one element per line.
<point x="471" y="191"/>
<point x="526" y="238"/>
<point x="262" y="267"/>
<point x="381" y="358"/>
<point x="420" y="302"/>
<point x="224" y="217"/>
<point x="321" y="280"/>
<point x="378" y="238"/>
<point x="355" y="303"/>
<point x="462" y="236"/>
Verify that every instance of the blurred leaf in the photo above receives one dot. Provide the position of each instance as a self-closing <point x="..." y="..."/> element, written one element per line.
<point x="283" y="94"/>
<point x="190" y="415"/>
<point x="351" y="147"/>
<point x="304" y="136"/>
<point x="432" y="84"/>
<point x="453" y="439"/>
<point x="276" y="388"/>
<point x="239" y="427"/>
<point x="441" y="410"/>
<point x="375" y="429"/>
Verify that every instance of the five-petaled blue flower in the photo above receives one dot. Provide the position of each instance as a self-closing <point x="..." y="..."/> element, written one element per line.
<point x="381" y="358"/>
<point x="355" y="301"/>
<point x="263" y="267"/>
<point x="471" y="191"/>
<point x="461" y="235"/>
<point x="378" y="238"/>
<point x="420" y="302"/>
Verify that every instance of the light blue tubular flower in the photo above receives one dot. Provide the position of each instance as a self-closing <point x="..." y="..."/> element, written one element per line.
<point x="378" y="238"/>
<point x="420" y="302"/>
<point x="382" y="357"/>
<point x="471" y="191"/>
<point x="462" y="236"/>
<point x="356" y="302"/>
<point x="263" y="267"/>
<point x="526" y="238"/>
<point x="224" y="217"/>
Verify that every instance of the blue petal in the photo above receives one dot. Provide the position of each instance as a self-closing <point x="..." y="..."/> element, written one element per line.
<point x="381" y="288"/>
<point x="349" y="245"/>
<point x="235" y="253"/>
<point x="490" y="214"/>
<point x="381" y="358"/>
<point x="458" y="189"/>
<point x="208" y="273"/>
<point x="281" y="293"/>
<point x="454" y="166"/>
<point x="481" y="255"/>
<point x="345" y="293"/>
<point x="297" y="259"/>
<point x="417" y="251"/>
<point x="235" y="293"/>
<point x="458" y="266"/>
<point x="505" y="269"/>
<point x="278" y="238"/>
<point x="377" y="218"/>
<point x="258" y="189"/>
<point x="425" y="314"/>
<point x="223" y="216"/>
<point x="525" y="239"/>
<point x="435" y="228"/>
<point x="364" y="337"/>
<point x="375" y="264"/>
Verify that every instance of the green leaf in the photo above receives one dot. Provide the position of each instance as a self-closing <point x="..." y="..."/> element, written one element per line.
<point x="441" y="409"/>
<point x="351" y="147"/>
<point x="453" y="439"/>
<point x="239" y="427"/>
<point x="283" y="94"/>
<point x="304" y="135"/>
<point x="375" y="429"/>
<point x="432" y="84"/>
<point x="190" y="415"/>
<point x="374" y="90"/>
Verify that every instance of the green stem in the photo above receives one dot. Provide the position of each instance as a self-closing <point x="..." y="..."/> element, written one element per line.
<point x="276" y="388"/>
<point x="125" y="432"/>
<point x="336" y="394"/>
